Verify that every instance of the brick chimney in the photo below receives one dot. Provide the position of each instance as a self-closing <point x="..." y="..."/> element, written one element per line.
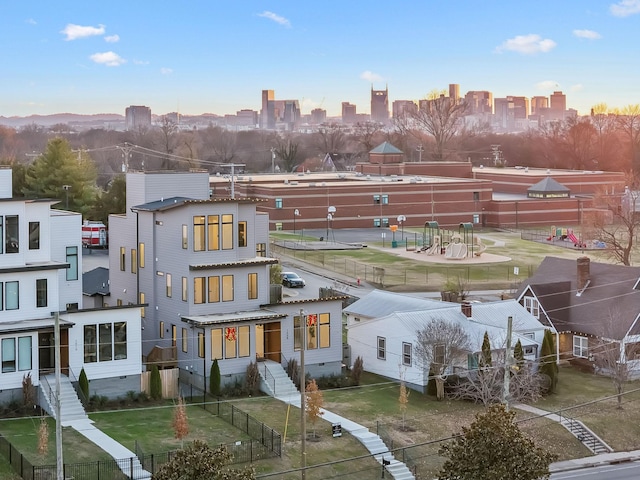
<point x="583" y="272"/>
<point x="466" y="309"/>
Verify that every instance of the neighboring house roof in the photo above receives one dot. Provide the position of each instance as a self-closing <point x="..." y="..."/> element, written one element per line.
<point x="217" y="318"/>
<point x="32" y="325"/>
<point x="238" y="263"/>
<point x="608" y="306"/>
<point x="96" y="282"/>
<point x="386" y="147"/>
<point x="548" y="185"/>
<point x="174" y="202"/>
<point x="379" y="303"/>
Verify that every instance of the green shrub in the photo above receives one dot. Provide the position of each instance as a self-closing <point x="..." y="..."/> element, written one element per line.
<point x="83" y="383"/>
<point x="356" y="371"/>
<point x="214" y="378"/>
<point x="252" y="378"/>
<point x="155" y="383"/>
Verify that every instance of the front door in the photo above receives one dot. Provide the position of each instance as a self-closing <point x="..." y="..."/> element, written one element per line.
<point x="47" y="352"/>
<point x="272" y="342"/>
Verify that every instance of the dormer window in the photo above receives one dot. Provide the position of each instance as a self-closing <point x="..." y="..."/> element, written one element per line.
<point x="532" y="306"/>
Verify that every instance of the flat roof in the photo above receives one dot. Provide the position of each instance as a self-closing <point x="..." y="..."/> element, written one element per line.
<point x="536" y="172"/>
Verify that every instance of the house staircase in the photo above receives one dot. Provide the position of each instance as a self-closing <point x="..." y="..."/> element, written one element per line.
<point x="72" y="414"/>
<point x="588" y="438"/>
<point x="275" y="382"/>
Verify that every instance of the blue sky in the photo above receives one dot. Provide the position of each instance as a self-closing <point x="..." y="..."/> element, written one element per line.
<point x="216" y="56"/>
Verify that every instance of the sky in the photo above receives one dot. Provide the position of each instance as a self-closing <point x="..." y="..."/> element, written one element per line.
<point x="214" y="56"/>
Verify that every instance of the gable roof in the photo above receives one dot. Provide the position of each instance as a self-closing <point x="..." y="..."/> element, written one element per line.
<point x="610" y="297"/>
<point x="96" y="282"/>
<point x="379" y="303"/>
<point x="386" y="147"/>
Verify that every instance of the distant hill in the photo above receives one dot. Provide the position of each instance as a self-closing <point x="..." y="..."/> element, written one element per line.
<point x="68" y="118"/>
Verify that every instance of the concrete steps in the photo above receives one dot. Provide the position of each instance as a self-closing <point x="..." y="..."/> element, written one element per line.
<point x="71" y="408"/>
<point x="588" y="438"/>
<point x="274" y="380"/>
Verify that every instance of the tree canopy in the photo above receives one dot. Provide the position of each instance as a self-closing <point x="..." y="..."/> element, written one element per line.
<point x="494" y="447"/>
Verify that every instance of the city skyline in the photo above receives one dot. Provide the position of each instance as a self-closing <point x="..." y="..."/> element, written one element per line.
<point x="217" y="58"/>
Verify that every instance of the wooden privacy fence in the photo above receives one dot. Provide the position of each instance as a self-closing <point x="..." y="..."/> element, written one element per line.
<point x="168" y="378"/>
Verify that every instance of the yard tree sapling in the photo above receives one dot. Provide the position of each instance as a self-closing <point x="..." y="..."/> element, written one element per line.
<point x="180" y="421"/>
<point x="494" y="447"/>
<point x="313" y="404"/>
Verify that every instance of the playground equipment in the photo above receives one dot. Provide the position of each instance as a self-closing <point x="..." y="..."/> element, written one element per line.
<point x="464" y="243"/>
<point x="456" y="249"/>
<point x="565" y="234"/>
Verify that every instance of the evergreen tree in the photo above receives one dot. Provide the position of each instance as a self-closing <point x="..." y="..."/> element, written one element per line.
<point x="110" y="201"/>
<point x="518" y="355"/>
<point x="214" y="378"/>
<point x="83" y="382"/>
<point x="62" y="174"/>
<point x="548" y="357"/>
<point x="155" y="383"/>
<point x="493" y="447"/>
<point x="432" y="388"/>
<point x="485" y="357"/>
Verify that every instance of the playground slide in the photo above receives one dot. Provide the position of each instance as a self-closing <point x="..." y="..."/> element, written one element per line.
<point x="433" y="249"/>
<point x="573" y="238"/>
<point x="479" y="247"/>
<point x="456" y="251"/>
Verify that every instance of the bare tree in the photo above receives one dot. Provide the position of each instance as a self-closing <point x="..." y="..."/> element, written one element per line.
<point x="330" y="138"/>
<point x="616" y="359"/>
<point x="628" y="119"/>
<point x="580" y="141"/>
<point x="617" y="223"/>
<point x="220" y="144"/>
<point x="168" y="129"/>
<point x="287" y="150"/>
<point x="439" y="346"/>
<point x="440" y="117"/>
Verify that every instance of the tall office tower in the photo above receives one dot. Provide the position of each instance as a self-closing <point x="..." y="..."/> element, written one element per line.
<point x="479" y="102"/>
<point x="403" y="108"/>
<point x="504" y="117"/>
<point x="454" y="91"/>
<point x="380" y="105"/>
<point x="538" y="103"/>
<point x="558" y="105"/>
<point x="348" y="113"/>
<point x="520" y="107"/>
<point x="267" y="113"/>
<point x="291" y="114"/>
<point x="137" y="116"/>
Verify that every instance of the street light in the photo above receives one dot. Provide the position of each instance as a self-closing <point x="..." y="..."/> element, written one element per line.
<point x="296" y="213"/>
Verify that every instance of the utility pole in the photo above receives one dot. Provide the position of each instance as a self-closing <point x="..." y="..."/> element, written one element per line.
<point x="273" y="160"/>
<point x="507" y="364"/>
<point x="420" y="150"/>
<point x="57" y="407"/>
<point x="303" y="395"/>
<point x="126" y="151"/>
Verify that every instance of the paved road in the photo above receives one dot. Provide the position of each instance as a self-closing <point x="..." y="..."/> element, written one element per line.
<point x="623" y="471"/>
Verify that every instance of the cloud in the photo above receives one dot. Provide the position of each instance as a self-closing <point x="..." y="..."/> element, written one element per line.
<point x="588" y="34"/>
<point x="576" y="88"/>
<point x="527" y="44"/>
<point x="110" y="59"/>
<point x="624" y="8"/>
<point x="112" y="38"/>
<point x="276" y="18"/>
<point x="31" y="21"/>
<point x="73" y="32"/>
<point x="369" y="76"/>
<point x="166" y="71"/>
<point x="141" y="62"/>
<point x="547" y="85"/>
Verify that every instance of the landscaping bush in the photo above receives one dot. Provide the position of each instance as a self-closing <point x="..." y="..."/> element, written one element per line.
<point x="293" y="371"/>
<point x="252" y="378"/>
<point x="356" y="371"/>
<point x="155" y="383"/>
<point x="214" y="378"/>
<point x="28" y="392"/>
<point x="334" y="381"/>
<point x="234" y="390"/>
<point x="83" y="383"/>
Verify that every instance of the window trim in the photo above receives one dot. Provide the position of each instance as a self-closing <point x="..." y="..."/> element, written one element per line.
<point x="580" y="348"/>
<point x="407" y="357"/>
<point x="381" y="348"/>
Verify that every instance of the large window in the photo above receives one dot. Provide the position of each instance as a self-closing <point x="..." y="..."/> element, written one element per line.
<point x="325" y="330"/>
<point x="227" y="232"/>
<point x="12" y="239"/>
<point x="253" y="286"/>
<point x="199" y="233"/>
<point x="214" y="289"/>
<point x="532" y="306"/>
<point x="318" y="331"/>
<point x="72" y="260"/>
<point x="406" y="354"/>
<point x="580" y="346"/>
<point x="199" y="290"/>
<point x="213" y="232"/>
<point x="312" y="331"/>
<point x="216" y="344"/>
<point x="8" y="355"/>
<point x="34" y="235"/>
<point x="227" y="288"/>
<point x="242" y="234"/>
<point x="41" y="292"/>
<point x="12" y="295"/>
<point x="24" y="353"/>
<point x="236" y="342"/>
<point x="105" y="342"/>
<point x="382" y="348"/>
